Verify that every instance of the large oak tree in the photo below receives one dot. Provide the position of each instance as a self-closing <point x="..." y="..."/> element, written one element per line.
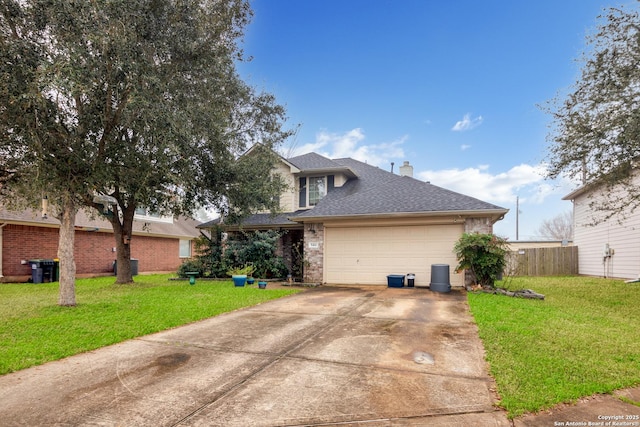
<point x="595" y="138"/>
<point x="119" y="104"/>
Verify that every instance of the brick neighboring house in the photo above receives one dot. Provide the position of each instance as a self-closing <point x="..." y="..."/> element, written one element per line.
<point x="358" y="223"/>
<point x="159" y="244"/>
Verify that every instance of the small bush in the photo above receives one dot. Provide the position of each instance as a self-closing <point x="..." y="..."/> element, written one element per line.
<point x="483" y="255"/>
<point x="191" y="264"/>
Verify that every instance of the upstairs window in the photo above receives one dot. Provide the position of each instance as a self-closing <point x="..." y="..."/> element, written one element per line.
<point x="312" y="189"/>
<point x="145" y="214"/>
<point x="317" y="189"/>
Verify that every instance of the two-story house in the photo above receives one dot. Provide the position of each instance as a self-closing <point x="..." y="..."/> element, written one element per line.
<point x="358" y="223"/>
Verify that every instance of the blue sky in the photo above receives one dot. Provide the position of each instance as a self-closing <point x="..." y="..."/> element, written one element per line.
<point x="454" y="87"/>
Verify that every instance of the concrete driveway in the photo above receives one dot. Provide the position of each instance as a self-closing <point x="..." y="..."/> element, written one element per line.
<point x="371" y="356"/>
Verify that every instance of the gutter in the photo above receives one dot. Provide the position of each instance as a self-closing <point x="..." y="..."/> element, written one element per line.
<point x="497" y="213"/>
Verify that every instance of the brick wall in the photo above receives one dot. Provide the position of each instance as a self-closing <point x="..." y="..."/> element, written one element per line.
<point x="313" y="252"/>
<point x="93" y="251"/>
<point x="478" y="225"/>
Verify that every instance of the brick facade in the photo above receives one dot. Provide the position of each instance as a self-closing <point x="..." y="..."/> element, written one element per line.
<point x="478" y="225"/>
<point x="94" y="253"/>
<point x="313" y="252"/>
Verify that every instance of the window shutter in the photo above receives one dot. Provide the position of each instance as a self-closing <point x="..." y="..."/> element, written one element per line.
<point x="330" y="182"/>
<point x="303" y="193"/>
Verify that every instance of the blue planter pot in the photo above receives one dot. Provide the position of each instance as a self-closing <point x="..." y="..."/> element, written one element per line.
<point x="239" y="280"/>
<point x="250" y="280"/>
<point x="262" y="285"/>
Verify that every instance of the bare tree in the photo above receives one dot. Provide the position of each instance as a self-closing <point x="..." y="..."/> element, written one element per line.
<point x="559" y="227"/>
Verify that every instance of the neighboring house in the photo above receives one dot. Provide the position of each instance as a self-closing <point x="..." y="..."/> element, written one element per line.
<point x="358" y="223"/>
<point x="515" y="245"/>
<point x="159" y="243"/>
<point x="607" y="249"/>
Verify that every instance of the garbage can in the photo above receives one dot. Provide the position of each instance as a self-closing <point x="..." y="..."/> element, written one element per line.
<point x="47" y="270"/>
<point x="440" y="278"/>
<point x="411" y="280"/>
<point x="38" y="270"/>
<point x="56" y="270"/>
<point x="134" y="267"/>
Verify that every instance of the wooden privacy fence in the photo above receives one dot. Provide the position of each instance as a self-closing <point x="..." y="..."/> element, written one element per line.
<point x="560" y="261"/>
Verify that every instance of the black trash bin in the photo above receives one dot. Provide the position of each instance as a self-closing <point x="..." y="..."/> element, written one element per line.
<point x="48" y="270"/>
<point x="56" y="270"/>
<point x="411" y="280"/>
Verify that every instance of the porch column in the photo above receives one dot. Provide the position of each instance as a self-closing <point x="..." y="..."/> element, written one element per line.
<point x="313" y="252"/>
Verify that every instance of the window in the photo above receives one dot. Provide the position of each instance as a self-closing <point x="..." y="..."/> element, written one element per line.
<point x="185" y="248"/>
<point x="313" y="189"/>
<point x="317" y="189"/>
<point x="146" y="214"/>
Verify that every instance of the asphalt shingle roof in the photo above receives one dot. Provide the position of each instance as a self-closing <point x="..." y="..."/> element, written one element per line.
<point x="380" y="192"/>
<point x="261" y="219"/>
<point x="180" y="227"/>
<point x="371" y="191"/>
<point x="313" y="161"/>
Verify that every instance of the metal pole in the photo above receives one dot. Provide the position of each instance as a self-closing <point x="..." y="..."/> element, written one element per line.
<point x="517" y="217"/>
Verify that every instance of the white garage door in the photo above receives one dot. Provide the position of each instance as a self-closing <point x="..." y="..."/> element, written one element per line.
<point x="366" y="255"/>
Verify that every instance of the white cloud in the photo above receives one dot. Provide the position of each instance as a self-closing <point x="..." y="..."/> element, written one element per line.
<point x="351" y="144"/>
<point x="467" y="123"/>
<point x="540" y="199"/>
<point x="464" y="147"/>
<point x="524" y="180"/>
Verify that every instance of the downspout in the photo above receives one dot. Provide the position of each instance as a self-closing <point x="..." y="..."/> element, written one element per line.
<point x="1" y="227"/>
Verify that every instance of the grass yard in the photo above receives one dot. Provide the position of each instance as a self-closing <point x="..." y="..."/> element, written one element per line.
<point x="35" y="330"/>
<point x="584" y="338"/>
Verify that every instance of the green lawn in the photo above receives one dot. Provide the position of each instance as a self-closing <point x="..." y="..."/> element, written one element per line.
<point x="584" y="338"/>
<point x="35" y="330"/>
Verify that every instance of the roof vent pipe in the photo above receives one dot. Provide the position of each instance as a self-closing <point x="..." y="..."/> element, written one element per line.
<point x="392" y="167"/>
<point x="406" y="169"/>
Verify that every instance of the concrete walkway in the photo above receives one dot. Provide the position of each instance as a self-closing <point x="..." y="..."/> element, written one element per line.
<point x="371" y="356"/>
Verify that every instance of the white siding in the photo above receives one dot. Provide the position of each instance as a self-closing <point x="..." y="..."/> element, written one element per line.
<point x="623" y="238"/>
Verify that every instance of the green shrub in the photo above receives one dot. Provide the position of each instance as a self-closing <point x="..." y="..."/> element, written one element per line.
<point x="216" y="257"/>
<point x="483" y="255"/>
<point x="191" y="264"/>
<point x="259" y="250"/>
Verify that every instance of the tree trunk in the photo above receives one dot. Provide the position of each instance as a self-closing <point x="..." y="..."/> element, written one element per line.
<point x="66" y="245"/>
<point x="124" y="273"/>
<point x="122" y="232"/>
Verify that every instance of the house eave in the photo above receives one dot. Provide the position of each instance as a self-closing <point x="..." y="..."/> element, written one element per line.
<point x="577" y="192"/>
<point x="253" y="227"/>
<point x="327" y="171"/>
<point x="494" y="214"/>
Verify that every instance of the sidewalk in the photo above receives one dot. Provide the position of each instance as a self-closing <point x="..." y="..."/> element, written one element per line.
<point x="601" y="410"/>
